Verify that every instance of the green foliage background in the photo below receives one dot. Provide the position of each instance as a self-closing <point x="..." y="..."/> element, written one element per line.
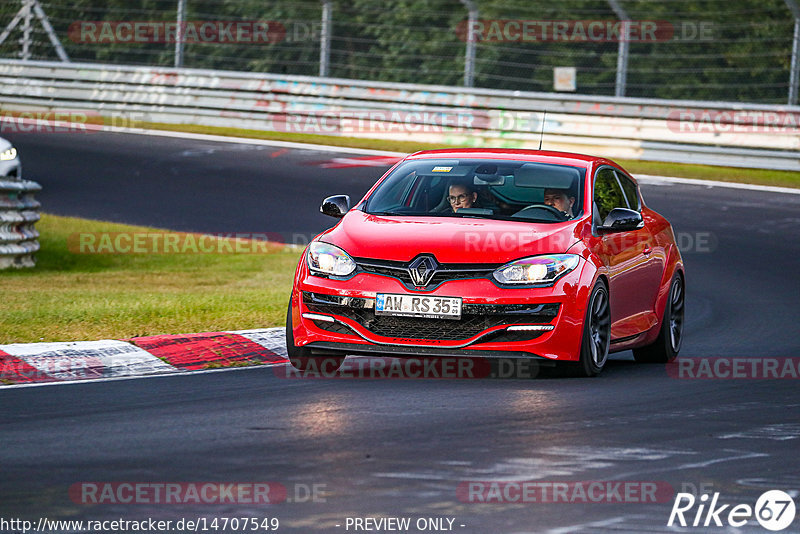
<point x="416" y="41"/>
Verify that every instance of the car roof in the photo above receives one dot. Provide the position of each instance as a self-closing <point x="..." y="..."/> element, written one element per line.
<point x="544" y="156"/>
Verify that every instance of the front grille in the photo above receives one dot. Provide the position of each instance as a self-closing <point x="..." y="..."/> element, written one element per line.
<point x="336" y="327"/>
<point x="444" y="273"/>
<point x="475" y="318"/>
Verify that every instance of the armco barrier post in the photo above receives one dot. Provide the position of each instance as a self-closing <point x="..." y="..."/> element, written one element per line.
<point x="469" y="52"/>
<point x="624" y="44"/>
<point x="794" y="68"/>
<point x="325" y="40"/>
<point x="18" y="214"/>
<point x="181" y="20"/>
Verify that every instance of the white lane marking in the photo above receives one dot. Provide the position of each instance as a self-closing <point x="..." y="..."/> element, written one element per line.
<point x="251" y="141"/>
<point x="87" y="359"/>
<point x="747" y="456"/>
<point x="659" y="180"/>
<point x="786" y="480"/>
<point x="368" y="161"/>
<point x="365" y="151"/>
<point x="777" y="432"/>
<point x="178" y="372"/>
<point x="272" y="339"/>
<point x="628" y="475"/>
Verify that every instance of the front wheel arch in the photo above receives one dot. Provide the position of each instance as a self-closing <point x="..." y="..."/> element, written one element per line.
<point x="596" y="337"/>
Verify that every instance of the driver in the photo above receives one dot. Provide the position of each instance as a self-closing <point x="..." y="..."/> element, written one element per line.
<point x="561" y="200"/>
<point x="461" y="196"/>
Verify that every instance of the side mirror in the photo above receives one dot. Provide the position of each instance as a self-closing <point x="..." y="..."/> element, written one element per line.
<point x="621" y="220"/>
<point x="335" y="206"/>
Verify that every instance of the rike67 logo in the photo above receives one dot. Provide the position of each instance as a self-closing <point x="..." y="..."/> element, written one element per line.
<point x="774" y="510"/>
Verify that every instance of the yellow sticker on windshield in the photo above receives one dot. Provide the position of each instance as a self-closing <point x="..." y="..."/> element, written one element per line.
<point x="442" y="169"/>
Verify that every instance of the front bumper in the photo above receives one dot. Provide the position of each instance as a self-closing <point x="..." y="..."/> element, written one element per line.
<point x="544" y="323"/>
<point x="11" y="169"/>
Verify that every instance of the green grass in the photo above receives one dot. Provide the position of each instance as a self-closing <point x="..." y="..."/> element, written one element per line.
<point x="682" y="170"/>
<point x="710" y="172"/>
<point x="72" y="296"/>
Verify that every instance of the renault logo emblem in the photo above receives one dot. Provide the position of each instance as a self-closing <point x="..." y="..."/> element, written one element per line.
<point x="422" y="270"/>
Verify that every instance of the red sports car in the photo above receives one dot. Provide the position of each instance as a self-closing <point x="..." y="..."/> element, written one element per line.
<point x="491" y="253"/>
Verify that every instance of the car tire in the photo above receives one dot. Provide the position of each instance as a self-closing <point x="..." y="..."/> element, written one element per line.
<point x="301" y="357"/>
<point x="666" y="347"/>
<point x="596" y="337"/>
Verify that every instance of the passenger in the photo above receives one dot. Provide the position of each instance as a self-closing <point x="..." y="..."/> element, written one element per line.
<point x="560" y="199"/>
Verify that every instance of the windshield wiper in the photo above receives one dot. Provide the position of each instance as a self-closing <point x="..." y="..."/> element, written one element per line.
<point x="498" y="217"/>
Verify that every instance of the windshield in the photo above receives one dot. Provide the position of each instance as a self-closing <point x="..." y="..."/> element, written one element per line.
<point x="501" y="189"/>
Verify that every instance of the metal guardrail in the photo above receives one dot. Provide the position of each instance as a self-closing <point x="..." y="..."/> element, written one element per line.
<point x="630" y="128"/>
<point x="18" y="214"/>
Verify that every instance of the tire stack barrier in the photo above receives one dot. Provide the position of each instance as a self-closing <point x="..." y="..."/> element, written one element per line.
<point x="18" y="214"/>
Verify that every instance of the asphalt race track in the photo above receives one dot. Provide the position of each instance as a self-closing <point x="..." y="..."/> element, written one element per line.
<point x="186" y="185"/>
<point x="403" y="448"/>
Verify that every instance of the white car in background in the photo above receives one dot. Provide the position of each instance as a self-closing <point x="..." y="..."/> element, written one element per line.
<point x="9" y="160"/>
<point x="18" y="212"/>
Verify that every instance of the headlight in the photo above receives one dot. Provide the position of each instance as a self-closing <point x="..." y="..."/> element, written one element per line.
<point x="536" y="269"/>
<point x="328" y="259"/>
<point x="8" y="154"/>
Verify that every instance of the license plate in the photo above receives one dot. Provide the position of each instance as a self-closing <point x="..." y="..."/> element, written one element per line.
<point x="428" y="307"/>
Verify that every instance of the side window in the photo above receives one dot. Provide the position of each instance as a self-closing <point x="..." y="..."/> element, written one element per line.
<point x="630" y="190"/>
<point x="607" y="193"/>
<point x="396" y="193"/>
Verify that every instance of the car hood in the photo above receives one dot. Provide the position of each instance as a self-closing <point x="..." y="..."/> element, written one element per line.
<point x="449" y="239"/>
